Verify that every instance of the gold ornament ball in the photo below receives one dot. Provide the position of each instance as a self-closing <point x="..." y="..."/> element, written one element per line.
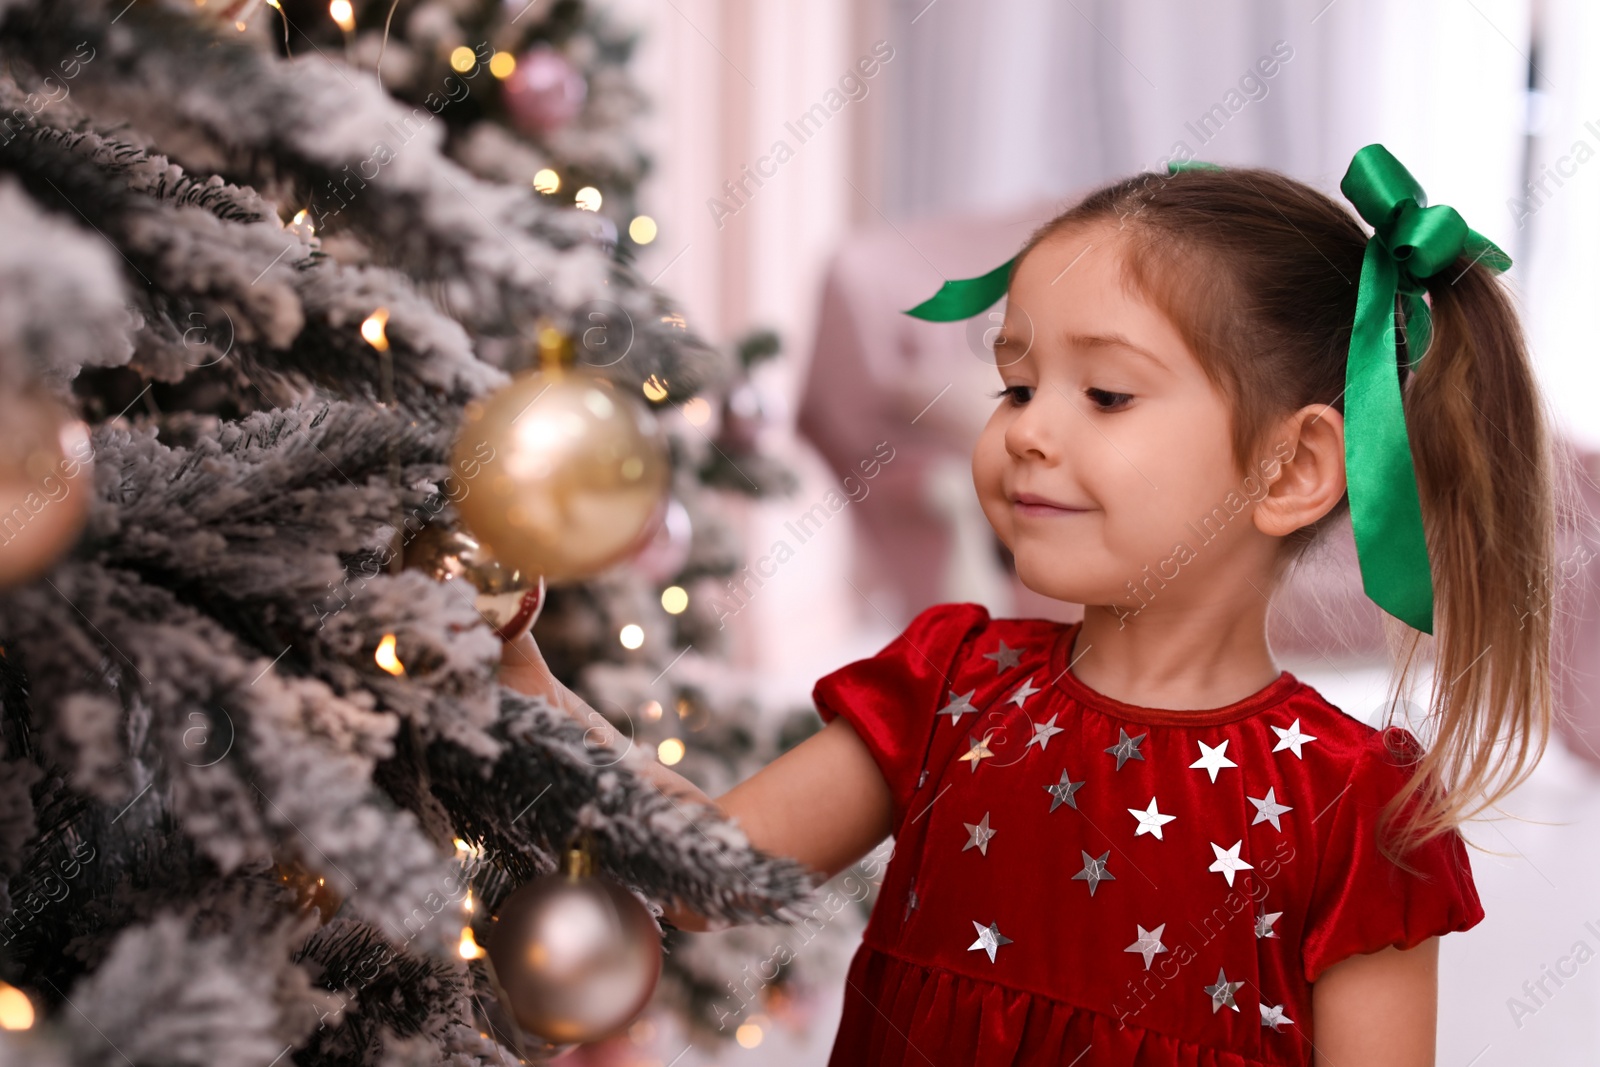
<point x="45" y="482"/>
<point x="571" y="474"/>
<point x="576" y="956"/>
<point x="508" y="599"/>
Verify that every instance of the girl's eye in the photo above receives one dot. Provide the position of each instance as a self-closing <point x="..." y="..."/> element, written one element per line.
<point x="1011" y="391"/>
<point x="1104" y="399"/>
<point x="1108" y="401"/>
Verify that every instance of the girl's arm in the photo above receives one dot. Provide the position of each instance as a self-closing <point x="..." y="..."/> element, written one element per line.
<point x="1378" y="1009"/>
<point x="824" y="802"/>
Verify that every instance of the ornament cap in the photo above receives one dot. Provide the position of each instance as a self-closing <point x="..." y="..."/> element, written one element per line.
<point x="555" y="348"/>
<point x="577" y="864"/>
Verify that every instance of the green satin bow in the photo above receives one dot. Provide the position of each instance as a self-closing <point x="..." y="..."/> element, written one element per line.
<point x="1411" y="243"/>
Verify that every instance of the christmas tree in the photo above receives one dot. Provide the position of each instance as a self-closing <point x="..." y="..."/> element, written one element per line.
<point x="260" y="792"/>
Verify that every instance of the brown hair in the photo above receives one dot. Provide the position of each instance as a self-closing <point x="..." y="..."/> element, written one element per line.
<point x="1259" y="274"/>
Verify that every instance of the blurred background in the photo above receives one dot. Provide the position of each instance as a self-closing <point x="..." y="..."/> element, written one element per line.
<point x="796" y="192"/>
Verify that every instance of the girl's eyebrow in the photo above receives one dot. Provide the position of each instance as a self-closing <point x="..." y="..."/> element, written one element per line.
<point x="1094" y="341"/>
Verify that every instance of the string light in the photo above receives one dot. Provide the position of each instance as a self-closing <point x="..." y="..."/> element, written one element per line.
<point x="670" y="751"/>
<point x="588" y="198"/>
<point x="302" y="225"/>
<point x="676" y="321"/>
<point x="748" y="1035"/>
<point x="469" y="945"/>
<point x="16" y="1010"/>
<point x="501" y="64"/>
<point x="655" y="389"/>
<point x="386" y="658"/>
<point x="463" y="59"/>
<point x="642" y="229"/>
<point x="697" y="411"/>
<point x="632" y="635"/>
<point x="652" y="710"/>
<point x="342" y="13"/>
<point x="375" y="331"/>
<point x="547" y="181"/>
<point x="674" y="598"/>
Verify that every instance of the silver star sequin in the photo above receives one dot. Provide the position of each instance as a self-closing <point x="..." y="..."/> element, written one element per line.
<point x="1094" y="871"/>
<point x="979" y="751"/>
<point x="1264" y="923"/>
<point x="1005" y="658"/>
<point x="1148" y="943"/>
<point x="1043" y="732"/>
<point x="1268" y="809"/>
<point x="1274" y="1016"/>
<point x="1213" y="760"/>
<point x="1150" y="820"/>
<point x="989" y="939"/>
<point x="1127" y="748"/>
<point x="1062" y="791"/>
<point x="1222" y="993"/>
<point x="1024" y="691"/>
<point x="980" y="835"/>
<point x="1228" y="861"/>
<point x="959" y="705"/>
<point x="1291" y="739"/>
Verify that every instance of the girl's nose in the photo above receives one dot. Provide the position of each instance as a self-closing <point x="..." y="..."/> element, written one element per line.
<point x="1036" y="429"/>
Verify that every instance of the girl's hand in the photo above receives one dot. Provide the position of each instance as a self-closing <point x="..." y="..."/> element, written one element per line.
<point x="522" y="667"/>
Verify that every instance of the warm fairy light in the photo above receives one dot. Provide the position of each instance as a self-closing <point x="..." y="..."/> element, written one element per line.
<point x="642" y="229"/>
<point x="547" y="181"/>
<point x="652" y="709"/>
<point x="386" y="657"/>
<point x="469" y="945"/>
<point x="302" y="224"/>
<point x="501" y="64"/>
<point x="655" y="389"/>
<point x="462" y="846"/>
<point x="374" y="329"/>
<point x="748" y="1035"/>
<point x="674" y="598"/>
<point x="463" y="59"/>
<point x="670" y="751"/>
<point x="676" y="319"/>
<point x="467" y="902"/>
<point x="343" y="14"/>
<point x="241" y="25"/>
<point x="274" y="5"/>
<point x="632" y="635"/>
<point x="16" y="1010"/>
<point x="587" y="198"/>
<point x="697" y="411"/>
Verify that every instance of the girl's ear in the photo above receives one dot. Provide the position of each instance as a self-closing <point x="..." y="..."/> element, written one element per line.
<point x="1311" y="480"/>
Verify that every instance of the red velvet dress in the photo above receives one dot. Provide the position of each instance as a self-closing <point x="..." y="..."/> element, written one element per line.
<point x="1076" y="880"/>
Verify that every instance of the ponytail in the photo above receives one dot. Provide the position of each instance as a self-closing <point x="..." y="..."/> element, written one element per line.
<point x="1482" y="451"/>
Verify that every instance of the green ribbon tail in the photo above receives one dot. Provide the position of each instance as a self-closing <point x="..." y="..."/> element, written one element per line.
<point x="965" y="297"/>
<point x="1385" y="509"/>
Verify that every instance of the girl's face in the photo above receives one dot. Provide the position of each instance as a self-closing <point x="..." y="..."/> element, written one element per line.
<point x="1110" y="422"/>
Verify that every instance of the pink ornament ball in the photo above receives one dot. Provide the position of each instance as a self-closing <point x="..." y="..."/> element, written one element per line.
<point x="544" y="92"/>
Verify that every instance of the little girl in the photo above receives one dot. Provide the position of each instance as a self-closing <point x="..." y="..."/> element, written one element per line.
<point x="1134" y="839"/>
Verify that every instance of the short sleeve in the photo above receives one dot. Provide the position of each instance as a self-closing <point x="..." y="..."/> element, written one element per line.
<point x="891" y="698"/>
<point x="1361" y="901"/>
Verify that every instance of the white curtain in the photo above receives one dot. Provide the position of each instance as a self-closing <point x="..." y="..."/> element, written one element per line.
<point x="1006" y="99"/>
<point x="1560" y="213"/>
